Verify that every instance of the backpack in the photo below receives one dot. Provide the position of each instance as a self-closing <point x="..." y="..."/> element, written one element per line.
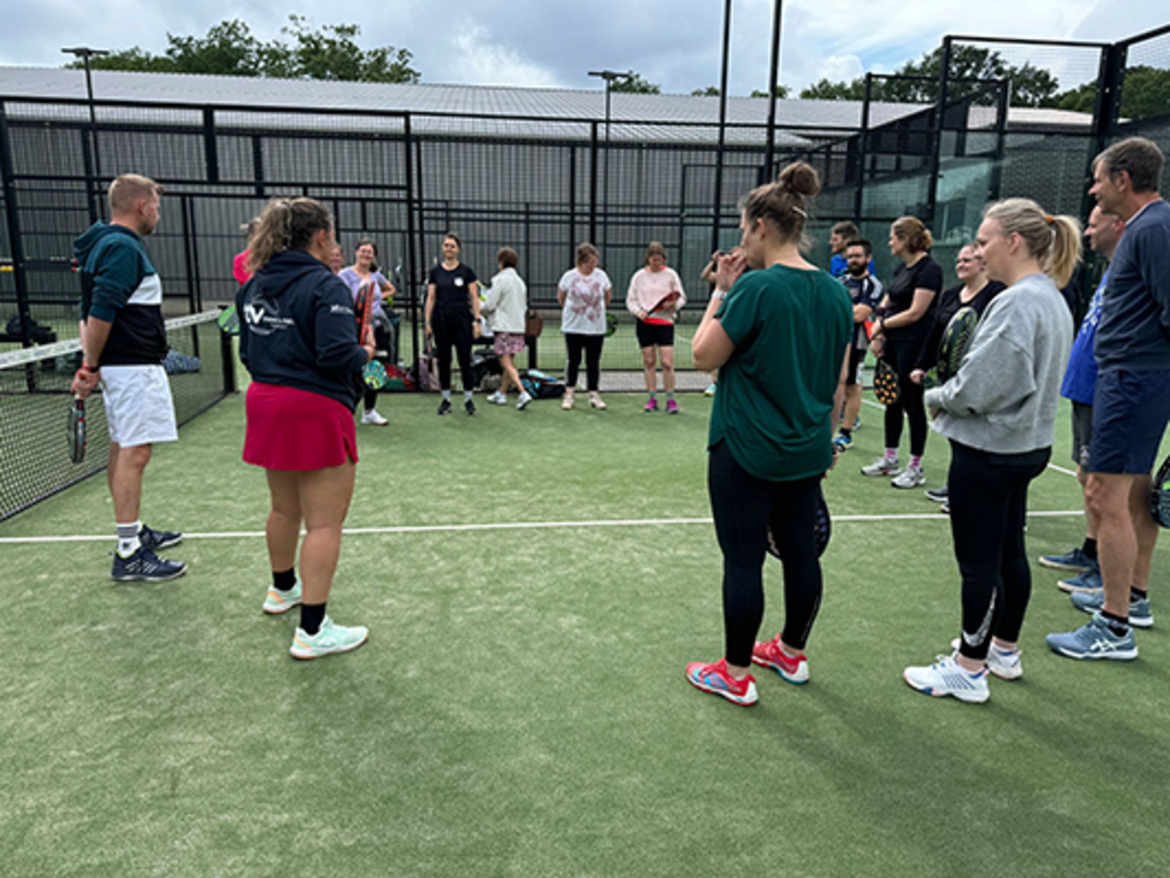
<point x="540" y="385"/>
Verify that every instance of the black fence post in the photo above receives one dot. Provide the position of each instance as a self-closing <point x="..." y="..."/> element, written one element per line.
<point x="863" y="149"/>
<point x="210" y="145"/>
<point x="15" y="241"/>
<point x="593" y="182"/>
<point x="412" y="244"/>
<point x="944" y="72"/>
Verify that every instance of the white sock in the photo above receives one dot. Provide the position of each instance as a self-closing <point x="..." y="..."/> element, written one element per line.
<point x="467" y="396"/>
<point x="128" y="542"/>
<point x="446" y="394"/>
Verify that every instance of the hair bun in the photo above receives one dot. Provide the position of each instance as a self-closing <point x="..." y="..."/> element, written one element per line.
<point x="800" y="178"/>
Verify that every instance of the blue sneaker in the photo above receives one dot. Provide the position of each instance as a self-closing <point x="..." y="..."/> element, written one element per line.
<point x="843" y="442"/>
<point x="145" y="566"/>
<point x="1094" y="641"/>
<point x="153" y="539"/>
<point x="1139" y="611"/>
<point x="1074" y="560"/>
<point x="1088" y="582"/>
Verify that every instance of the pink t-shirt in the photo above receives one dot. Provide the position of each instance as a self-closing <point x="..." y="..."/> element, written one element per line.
<point x="239" y="267"/>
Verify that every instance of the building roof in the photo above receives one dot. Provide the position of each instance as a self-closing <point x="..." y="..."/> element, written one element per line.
<point x="465" y="109"/>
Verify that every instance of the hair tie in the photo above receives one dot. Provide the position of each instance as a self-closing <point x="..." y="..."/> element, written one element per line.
<point x="1049" y="218"/>
<point x="799" y="210"/>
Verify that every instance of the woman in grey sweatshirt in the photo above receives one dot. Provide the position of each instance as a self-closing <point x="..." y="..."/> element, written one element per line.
<point x="998" y="412"/>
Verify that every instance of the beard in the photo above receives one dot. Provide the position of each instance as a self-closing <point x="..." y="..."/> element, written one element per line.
<point x="859" y="271"/>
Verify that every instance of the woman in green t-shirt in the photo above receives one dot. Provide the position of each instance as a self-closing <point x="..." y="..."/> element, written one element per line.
<point x="779" y="335"/>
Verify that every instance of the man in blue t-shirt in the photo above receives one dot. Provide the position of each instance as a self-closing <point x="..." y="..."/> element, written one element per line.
<point x="1131" y="402"/>
<point x="1080" y="381"/>
<point x="865" y="291"/>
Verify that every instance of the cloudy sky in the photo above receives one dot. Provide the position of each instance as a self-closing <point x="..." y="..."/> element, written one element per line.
<point x="675" y="43"/>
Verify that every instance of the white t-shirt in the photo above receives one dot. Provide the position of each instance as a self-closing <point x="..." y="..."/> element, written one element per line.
<point x="584" y="311"/>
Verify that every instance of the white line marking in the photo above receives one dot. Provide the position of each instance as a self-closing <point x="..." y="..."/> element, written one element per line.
<point x="506" y="525"/>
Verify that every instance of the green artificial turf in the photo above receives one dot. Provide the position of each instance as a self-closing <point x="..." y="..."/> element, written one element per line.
<point x="521" y="707"/>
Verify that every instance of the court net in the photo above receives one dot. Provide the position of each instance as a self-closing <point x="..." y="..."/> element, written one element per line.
<point x="35" y="402"/>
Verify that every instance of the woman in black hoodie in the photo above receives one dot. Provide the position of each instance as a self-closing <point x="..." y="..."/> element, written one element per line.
<point x="299" y="341"/>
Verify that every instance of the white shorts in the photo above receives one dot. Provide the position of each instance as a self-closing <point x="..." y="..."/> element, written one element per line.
<point x="139" y="409"/>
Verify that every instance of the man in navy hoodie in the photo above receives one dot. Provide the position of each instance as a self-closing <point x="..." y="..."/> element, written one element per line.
<point x="124" y="341"/>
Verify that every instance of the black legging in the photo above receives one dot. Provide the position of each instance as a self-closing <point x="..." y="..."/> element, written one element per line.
<point x="574" y="343"/>
<point x="743" y="506"/>
<point x="381" y="343"/>
<point x="453" y="328"/>
<point x="901" y="356"/>
<point x="989" y="499"/>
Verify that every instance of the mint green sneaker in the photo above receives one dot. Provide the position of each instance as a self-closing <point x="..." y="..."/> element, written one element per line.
<point x="279" y="601"/>
<point x="330" y="639"/>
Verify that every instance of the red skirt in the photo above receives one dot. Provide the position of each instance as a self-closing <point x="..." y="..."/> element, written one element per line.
<point x="291" y="429"/>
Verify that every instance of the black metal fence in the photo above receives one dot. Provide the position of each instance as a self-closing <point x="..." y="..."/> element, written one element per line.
<point x="540" y="184"/>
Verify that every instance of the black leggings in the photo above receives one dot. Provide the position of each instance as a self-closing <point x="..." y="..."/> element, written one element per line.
<point x="381" y="343"/>
<point x="989" y="499"/>
<point x="452" y="328"/>
<point x="901" y="356"/>
<point x="574" y="343"/>
<point x="744" y="506"/>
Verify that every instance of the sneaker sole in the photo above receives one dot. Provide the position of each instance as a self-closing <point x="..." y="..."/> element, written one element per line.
<point x="917" y="484"/>
<point x="276" y="610"/>
<point x="729" y="696"/>
<point x="892" y="472"/>
<point x="520" y="406"/>
<point x="968" y="698"/>
<point x="1053" y="565"/>
<point x="1064" y="586"/>
<point x="142" y="578"/>
<point x="790" y="678"/>
<point x="1121" y="655"/>
<point x="314" y="654"/>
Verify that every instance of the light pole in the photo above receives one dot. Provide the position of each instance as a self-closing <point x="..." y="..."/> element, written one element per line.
<point x="610" y="76"/>
<point x="85" y="53"/>
<point x="773" y="83"/>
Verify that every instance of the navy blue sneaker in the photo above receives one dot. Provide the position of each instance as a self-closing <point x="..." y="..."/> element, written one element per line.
<point x="1088" y="582"/>
<point x="1074" y="560"/>
<point x="158" y="539"/>
<point x="145" y="566"/>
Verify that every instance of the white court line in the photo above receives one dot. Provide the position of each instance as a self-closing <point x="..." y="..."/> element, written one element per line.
<point x="1059" y="469"/>
<point x="507" y="525"/>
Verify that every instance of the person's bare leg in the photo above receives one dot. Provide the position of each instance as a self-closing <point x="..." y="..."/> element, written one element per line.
<point x="649" y="370"/>
<point x="324" y="500"/>
<point x="126" y="482"/>
<point x="511" y="376"/>
<point x="667" y="357"/>
<point x="1107" y="495"/>
<point x="852" y="405"/>
<point x="284" y="519"/>
<point x="1145" y="529"/>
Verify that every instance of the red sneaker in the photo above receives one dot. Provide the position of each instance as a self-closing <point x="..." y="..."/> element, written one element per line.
<point x="715" y="679"/>
<point x="769" y="655"/>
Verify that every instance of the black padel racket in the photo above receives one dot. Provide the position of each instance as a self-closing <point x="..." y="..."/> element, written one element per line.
<point x="665" y="302"/>
<point x="77" y="430"/>
<point x="885" y="383"/>
<point x="953" y="347"/>
<point x="363" y="309"/>
<point x="1160" y="496"/>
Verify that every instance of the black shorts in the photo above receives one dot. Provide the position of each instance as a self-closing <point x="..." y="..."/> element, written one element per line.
<point x="1082" y="424"/>
<point x="651" y="334"/>
<point x="856" y="361"/>
<point x="1130" y="412"/>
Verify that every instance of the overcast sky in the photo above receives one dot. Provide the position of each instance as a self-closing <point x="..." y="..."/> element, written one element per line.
<point x="675" y="43"/>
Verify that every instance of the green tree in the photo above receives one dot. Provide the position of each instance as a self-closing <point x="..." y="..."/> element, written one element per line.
<point x="782" y="92"/>
<point x="711" y="91"/>
<point x="1145" y="92"/>
<point x="635" y="84"/>
<point x="230" y="49"/>
<point x="1030" y="86"/>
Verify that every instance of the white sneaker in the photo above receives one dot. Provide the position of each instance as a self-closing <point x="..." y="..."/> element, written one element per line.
<point x="567" y="402"/>
<point x="881" y="467"/>
<point x="525" y="398"/>
<point x="278" y="601"/>
<point x="597" y="402"/>
<point x="372" y="417"/>
<point x="911" y="478"/>
<point x="1004" y="663"/>
<point x="497" y="398"/>
<point x="947" y="677"/>
<point x="331" y="638"/>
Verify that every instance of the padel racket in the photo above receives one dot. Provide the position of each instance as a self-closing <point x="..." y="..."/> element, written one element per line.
<point x="665" y="302"/>
<point x="77" y="430"/>
<point x="822" y="528"/>
<point x="611" y="324"/>
<point x="229" y="320"/>
<point x="374" y="375"/>
<point x="1160" y="496"/>
<point x="885" y="383"/>
<point x="953" y="347"/>
<point x="363" y="309"/>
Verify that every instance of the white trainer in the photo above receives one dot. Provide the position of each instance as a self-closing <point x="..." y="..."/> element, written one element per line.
<point x="497" y="398"/>
<point x="329" y="639"/>
<point x="947" y="677"/>
<point x="882" y="467"/>
<point x="372" y="417"/>
<point x="525" y="398"/>
<point x="911" y="477"/>
<point x="1004" y="663"/>
<point x="278" y="601"/>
